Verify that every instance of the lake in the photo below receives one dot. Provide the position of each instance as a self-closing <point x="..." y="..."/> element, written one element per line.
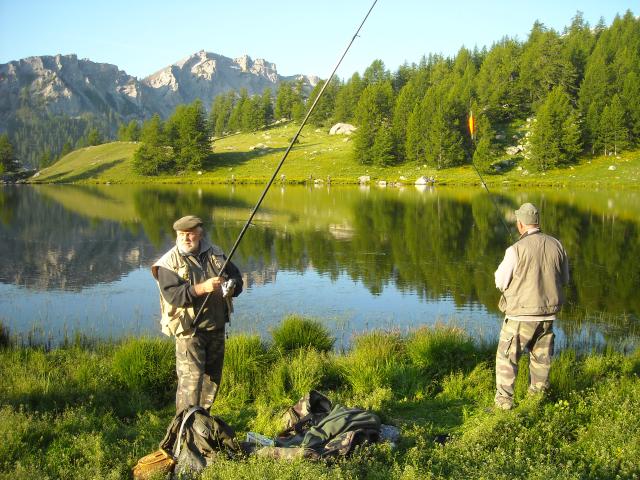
<point x="75" y="259"/>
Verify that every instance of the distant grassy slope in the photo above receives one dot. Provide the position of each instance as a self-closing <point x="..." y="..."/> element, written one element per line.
<point x="251" y="158"/>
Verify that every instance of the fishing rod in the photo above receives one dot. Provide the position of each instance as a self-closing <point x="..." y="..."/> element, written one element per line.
<point x="284" y="157"/>
<point x="472" y="131"/>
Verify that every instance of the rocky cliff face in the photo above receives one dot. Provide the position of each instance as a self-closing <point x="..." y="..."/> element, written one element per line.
<point x="65" y="85"/>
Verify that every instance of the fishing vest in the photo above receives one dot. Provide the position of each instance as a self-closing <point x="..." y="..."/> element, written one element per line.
<point x="178" y="321"/>
<point x="536" y="285"/>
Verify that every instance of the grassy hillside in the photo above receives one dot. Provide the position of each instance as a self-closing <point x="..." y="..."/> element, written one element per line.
<point x="252" y="157"/>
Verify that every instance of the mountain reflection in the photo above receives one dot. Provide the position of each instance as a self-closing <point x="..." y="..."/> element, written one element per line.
<point x="435" y="244"/>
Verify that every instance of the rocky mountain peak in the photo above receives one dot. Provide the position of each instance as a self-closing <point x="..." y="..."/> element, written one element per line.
<point x="64" y="84"/>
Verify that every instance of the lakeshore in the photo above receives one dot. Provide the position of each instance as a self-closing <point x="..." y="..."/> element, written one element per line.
<point x="89" y="409"/>
<point x="320" y="159"/>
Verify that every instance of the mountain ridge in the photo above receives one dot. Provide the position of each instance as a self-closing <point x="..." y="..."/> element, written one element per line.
<point x="65" y="85"/>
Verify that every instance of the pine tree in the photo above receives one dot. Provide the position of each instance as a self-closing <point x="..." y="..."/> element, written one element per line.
<point x="133" y="131"/>
<point x="578" y="42"/>
<point x="555" y="137"/>
<point x="409" y="96"/>
<point x="383" y="148"/>
<point x="266" y="105"/>
<point x="543" y="66"/>
<point x="631" y="100"/>
<point x="324" y="110"/>
<point x="252" y="115"/>
<point x="45" y="159"/>
<point x="376" y="73"/>
<point x="443" y="143"/>
<point x="298" y="109"/>
<point x="347" y="99"/>
<point x="483" y="153"/>
<point x="191" y="146"/>
<point x="613" y="135"/>
<point x="94" y="137"/>
<point x="66" y="149"/>
<point x="284" y="95"/>
<point x="7" y="158"/>
<point x="373" y="111"/>
<point x="153" y="156"/>
<point x="497" y="86"/>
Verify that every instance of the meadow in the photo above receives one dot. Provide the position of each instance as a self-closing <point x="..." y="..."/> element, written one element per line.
<point x="89" y="409"/>
<point x="317" y="156"/>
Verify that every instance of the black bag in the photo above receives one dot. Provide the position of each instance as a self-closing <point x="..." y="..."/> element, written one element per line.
<point x="195" y="439"/>
<point x="322" y="430"/>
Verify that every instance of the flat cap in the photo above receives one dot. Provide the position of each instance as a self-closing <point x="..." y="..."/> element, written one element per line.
<point x="528" y="214"/>
<point x="187" y="223"/>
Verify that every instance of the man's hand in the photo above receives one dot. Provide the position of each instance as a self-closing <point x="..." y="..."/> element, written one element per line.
<point x="208" y="286"/>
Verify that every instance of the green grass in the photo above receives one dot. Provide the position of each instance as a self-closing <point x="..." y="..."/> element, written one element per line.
<point x="297" y="332"/>
<point x="90" y="409"/>
<point x="319" y="156"/>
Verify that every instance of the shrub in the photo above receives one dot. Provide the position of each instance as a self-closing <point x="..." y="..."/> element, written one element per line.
<point x="299" y="332"/>
<point x="145" y="364"/>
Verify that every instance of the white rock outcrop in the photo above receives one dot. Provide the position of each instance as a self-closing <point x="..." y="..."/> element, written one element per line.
<point x="342" y="129"/>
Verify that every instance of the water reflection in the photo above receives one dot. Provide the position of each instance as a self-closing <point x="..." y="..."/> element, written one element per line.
<point x="417" y="249"/>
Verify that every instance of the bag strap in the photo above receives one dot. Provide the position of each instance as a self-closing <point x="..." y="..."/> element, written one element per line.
<point x="190" y="412"/>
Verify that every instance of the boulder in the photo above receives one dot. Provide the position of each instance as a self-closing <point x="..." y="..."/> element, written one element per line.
<point x="382" y="183"/>
<point x="612" y="167"/>
<point x="421" y="181"/>
<point x="514" y="150"/>
<point x="342" y="129"/>
<point x="364" y="179"/>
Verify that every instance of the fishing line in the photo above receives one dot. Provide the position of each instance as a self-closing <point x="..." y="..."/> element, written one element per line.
<point x="286" y="153"/>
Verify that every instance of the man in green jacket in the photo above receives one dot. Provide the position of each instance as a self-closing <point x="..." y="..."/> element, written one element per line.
<point x="186" y="274"/>
<point x="530" y="277"/>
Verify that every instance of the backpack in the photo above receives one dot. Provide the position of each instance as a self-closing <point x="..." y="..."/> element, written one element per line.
<point x="321" y="433"/>
<point x="309" y="410"/>
<point x="193" y="440"/>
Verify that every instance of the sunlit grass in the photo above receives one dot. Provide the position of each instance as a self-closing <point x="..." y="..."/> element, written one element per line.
<point x="252" y="158"/>
<point x="90" y="409"/>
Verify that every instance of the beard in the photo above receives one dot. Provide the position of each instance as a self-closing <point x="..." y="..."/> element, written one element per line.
<point x="186" y="247"/>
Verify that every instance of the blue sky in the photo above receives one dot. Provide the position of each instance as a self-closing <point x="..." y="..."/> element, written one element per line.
<point x="142" y="37"/>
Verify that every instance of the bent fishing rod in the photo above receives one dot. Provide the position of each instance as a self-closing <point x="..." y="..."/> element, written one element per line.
<point x="472" y="126"/>
<point x="284" y="157"/>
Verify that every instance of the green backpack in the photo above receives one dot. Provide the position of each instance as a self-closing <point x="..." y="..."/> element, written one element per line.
<point x="323" y="432"/>
<point x="196" y="438"/>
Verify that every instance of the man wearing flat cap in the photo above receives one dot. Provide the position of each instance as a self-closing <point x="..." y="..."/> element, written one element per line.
<point x="186" y="274"/>
<point x="530" y="277"/>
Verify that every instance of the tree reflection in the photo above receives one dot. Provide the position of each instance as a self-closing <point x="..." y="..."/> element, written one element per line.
<point x="438" y="244"/>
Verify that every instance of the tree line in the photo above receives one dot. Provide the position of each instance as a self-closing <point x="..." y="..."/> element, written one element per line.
<point x="557" y="95"/>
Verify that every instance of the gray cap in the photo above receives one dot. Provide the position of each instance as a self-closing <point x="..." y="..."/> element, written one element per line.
<point x="187" y="223"/>
<point x="528" y="214"/>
